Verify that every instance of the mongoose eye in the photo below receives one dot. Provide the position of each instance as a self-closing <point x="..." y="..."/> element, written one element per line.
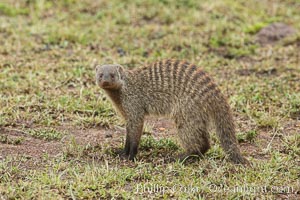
<point x="100" y="75"/>
<point x="112" y="76"/>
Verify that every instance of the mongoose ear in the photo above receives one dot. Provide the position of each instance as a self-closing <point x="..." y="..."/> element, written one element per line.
<point x="120" y="71"/>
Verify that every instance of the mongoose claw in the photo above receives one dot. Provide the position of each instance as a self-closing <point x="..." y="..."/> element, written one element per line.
<point x="124" y="154"/>
<point x="121" y="153"/>
<point x="240" y="160"/>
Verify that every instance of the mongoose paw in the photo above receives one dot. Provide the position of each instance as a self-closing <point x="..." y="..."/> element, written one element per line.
<point x="133" y="152"/>
<point x="131" y="158"/>
<point x="240" y="160"/>
<point x="122" y="153"/>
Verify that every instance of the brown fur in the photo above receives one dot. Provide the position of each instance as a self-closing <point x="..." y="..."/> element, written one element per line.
<point x="176" y="89"/>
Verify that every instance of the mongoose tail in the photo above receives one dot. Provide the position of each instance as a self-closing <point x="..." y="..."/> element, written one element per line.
<point x="225" y="129"/>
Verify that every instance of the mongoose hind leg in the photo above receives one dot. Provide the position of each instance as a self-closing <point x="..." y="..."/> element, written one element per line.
<point x="134" y="129"/>
<point x="194" y="140"/>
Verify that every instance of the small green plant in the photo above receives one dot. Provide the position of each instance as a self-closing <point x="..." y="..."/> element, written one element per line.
<point x="252" y="29"/>
<point x="267" y="121"/>
<point x="46" y="134"/>
<point x="11" y="11"/>
<point x="15" y="141"/>
<point x="215" y="152"/>
<point x="148" y="142"/>
<point x="248" y="136"/>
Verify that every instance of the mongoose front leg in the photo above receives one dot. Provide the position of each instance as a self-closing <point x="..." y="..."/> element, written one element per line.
<point x="134" y="129"/>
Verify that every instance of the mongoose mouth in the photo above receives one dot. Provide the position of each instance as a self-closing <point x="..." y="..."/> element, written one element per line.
<point x="106" y="85"/>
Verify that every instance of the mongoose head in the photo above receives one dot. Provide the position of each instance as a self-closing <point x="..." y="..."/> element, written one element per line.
<point x="109" y="76"/>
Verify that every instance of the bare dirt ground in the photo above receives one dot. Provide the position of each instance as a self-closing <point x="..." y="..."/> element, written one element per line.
<point x="33" y="148"/>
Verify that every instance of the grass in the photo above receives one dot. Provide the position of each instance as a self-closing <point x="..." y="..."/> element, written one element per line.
<point x="48" y="91"/>
<point x="12" y="11"/>
<point x="46" y="134"/>
<point x="6" y="140"/>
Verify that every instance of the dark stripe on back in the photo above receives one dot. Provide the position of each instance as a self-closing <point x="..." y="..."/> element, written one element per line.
<point x="175" y="68"/>
<point x="199" y="74"/>
<point x="201" y="84"/>
<point x="209" y="91"/>
<point x="168" y="62"/>
<point x="181" y="78"/>
<point x="168" y="74"/>
<point x="174" y="77"/>
<point x="156" y="75"/>
<point x="161" y="73"/>
<point x="150" y="74"/>
<point x="190" y="69"/>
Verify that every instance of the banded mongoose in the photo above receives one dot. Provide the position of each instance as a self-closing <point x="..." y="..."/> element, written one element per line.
<point x="173" y="88"/>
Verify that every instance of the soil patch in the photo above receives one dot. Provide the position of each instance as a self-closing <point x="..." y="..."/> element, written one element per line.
<point x="274" y="32"/>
